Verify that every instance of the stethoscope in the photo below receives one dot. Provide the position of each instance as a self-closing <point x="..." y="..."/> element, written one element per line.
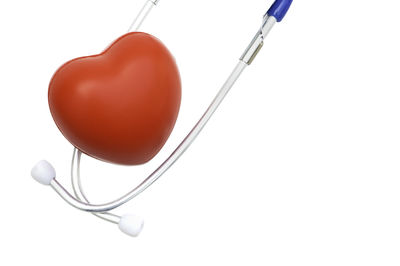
<point x="132" y="224"/>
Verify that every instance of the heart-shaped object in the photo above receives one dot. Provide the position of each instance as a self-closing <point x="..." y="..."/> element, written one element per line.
<point x="119" y="106"/>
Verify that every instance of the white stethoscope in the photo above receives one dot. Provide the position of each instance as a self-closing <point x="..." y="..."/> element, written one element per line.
<point x="131" y="224"/>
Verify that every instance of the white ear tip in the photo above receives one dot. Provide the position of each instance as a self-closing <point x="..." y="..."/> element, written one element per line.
<point x="131" y="224"/>
<point x="43" y="172"/>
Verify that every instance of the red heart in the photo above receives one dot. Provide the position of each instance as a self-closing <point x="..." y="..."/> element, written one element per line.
<point x="121" y="105"/>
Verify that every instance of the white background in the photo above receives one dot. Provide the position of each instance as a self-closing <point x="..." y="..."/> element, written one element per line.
<point x="299" y="166"/>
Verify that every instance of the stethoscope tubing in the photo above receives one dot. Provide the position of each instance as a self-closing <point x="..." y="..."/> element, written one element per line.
<point x="80" y="201"/>
<point x="77" y="154"/>
<point x="79" y="191"/>
<point x="182" y="147"/>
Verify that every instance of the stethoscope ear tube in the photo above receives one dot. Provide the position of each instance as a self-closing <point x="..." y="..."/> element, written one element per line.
<point x="131" y="224"/>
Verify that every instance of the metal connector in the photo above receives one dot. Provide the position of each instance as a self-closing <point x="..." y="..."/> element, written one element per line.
<point x="258" y="41"/>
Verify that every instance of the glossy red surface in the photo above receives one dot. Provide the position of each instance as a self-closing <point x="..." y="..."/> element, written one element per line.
<point x="119" y="106"/>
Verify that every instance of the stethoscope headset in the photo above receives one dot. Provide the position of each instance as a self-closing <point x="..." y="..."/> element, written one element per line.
<point x="64" y="78"/>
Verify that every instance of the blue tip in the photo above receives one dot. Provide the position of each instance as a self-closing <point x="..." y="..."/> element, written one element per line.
<point x="279" y="9"/>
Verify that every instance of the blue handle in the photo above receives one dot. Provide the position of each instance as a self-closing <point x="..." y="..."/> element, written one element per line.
<point x="279" y="9"/>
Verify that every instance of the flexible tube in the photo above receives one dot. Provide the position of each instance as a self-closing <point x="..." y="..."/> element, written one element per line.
<point x="75" y="175"/>
<point x="166" y="164"/>
<point x="275" y="13"/>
